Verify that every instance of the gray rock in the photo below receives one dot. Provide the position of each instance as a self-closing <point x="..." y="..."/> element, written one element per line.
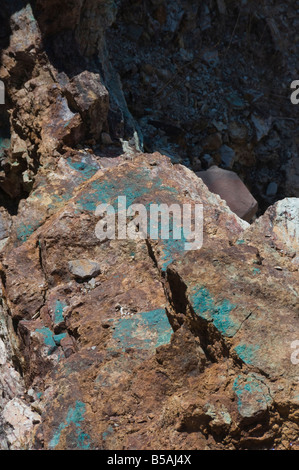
<point x="231" y="188"/>
<point x="20" y="420"/>
<point x="5" y="224"/>
<point x="3" y="355"/>
<point x="84" y="268"/>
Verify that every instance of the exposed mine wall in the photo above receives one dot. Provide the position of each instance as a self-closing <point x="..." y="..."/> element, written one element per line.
<point x="209" y="84"/>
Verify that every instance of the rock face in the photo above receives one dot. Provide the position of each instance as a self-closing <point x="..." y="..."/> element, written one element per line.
<point x="165" y="348"/>
<point x="18" y="419"/>
<point x="193" y="92"/>
<point x="131" y="342"/>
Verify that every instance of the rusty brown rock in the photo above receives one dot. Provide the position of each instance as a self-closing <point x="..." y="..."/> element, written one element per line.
<point x="163" y="348"/>
<point x="88" y="95"/>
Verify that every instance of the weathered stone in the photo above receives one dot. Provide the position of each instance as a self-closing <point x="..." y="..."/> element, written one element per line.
<point x="278" y="228"/>
<point x="20" y="418"/>
<point x="16" y="425"/>
<point x="84" y="268"/>
<point x="3" y="356"/>
<point x="5" y="224"/>
<point x="90" y="98"/>
<point x="230" y="187"/>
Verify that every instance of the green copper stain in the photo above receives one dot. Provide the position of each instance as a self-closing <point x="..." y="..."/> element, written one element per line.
<point x="74" y="416"/>
<point x="220" y="313"/>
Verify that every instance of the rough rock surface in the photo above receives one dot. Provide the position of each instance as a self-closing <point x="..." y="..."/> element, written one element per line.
<point x="210" y="73"/>
<point x="132" y="343"/>
<point x="166" y="348"/>
<point x="18" y="418"/>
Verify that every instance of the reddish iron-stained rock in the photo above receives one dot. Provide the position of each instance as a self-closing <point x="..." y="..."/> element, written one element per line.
<point x="90" y="98"/>
<point x="162" y="348"/>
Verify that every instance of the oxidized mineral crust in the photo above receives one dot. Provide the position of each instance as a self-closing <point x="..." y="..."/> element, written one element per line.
<point x="134" y="343"/>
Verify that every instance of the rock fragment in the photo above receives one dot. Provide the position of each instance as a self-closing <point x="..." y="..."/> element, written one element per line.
<point x="84" y="269"/>
<point x="231" y="188"/>
<point x="91" y="99"/>
<point x="20" y="418"/>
